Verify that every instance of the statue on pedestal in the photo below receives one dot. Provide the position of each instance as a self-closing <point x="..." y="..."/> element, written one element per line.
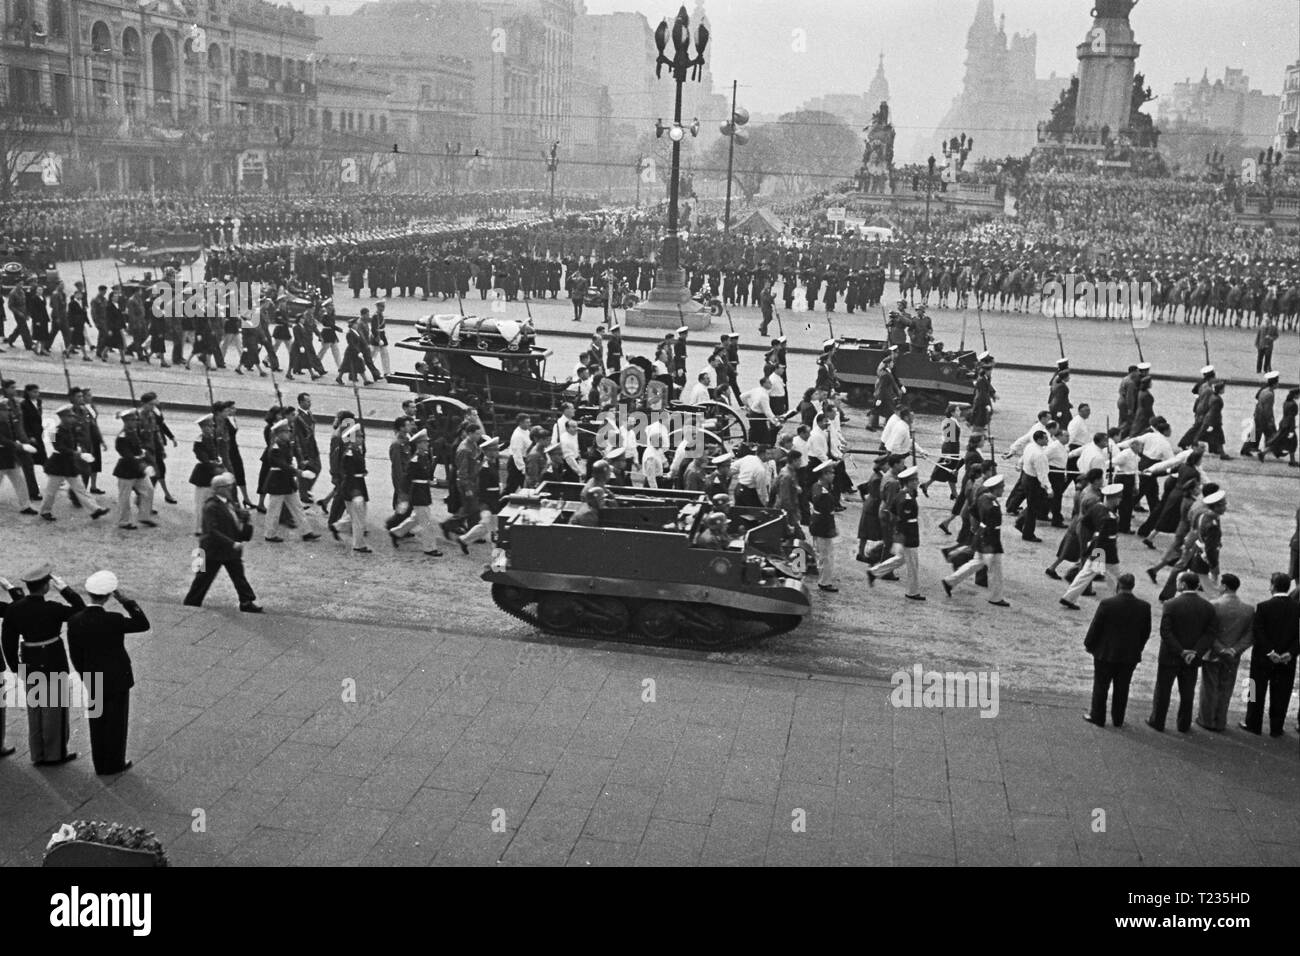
<point x="877" y="172"/>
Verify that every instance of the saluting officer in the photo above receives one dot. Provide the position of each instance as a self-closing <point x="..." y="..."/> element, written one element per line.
<point x="33" y="648"/>
<point x="98" y="650"/>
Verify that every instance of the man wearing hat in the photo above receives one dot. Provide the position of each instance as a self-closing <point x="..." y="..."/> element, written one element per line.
<point x="209" y="461"/>
<point x="1099" y="528"/>
<point x="282" y="484"/>
<point x="721" y="480"/>
<point x="821" y="526"/>
<point x="1203" y="390"/>
<point x="1264" y="339"/>
<point x="97" y="646"/>
<point x="1058" y="398"/>
<point x="679" y="357"/>
<point x="906" y="533"/>
<point x="1146" y="402"/>
<point x="471" y="455"/>
<point x="827" y="379"/>
<point x="225" y="529"/>
<point x="419" y="480"/>
<point x="986" y="543"/>
<point x="133" y="472"/>
<point x="15" y="449"/>
<point x="66" y="464"/>
<point x="33" y="649"/>
<point x="733" y="364"/>
<point x="1265" y="424"/>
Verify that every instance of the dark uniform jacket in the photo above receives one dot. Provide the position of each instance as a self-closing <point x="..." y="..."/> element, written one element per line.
<point x="97" y="646"/>
<point x="31" y="620"/>
<point x="281" y="477"/>
<point x="208" y="461"/>
<point x="1277" y="627"/>
<point x="304" y="432"/>
<point x="66" y="457"/>
<point x="132" y="456"/>
<point x="988" y="537"/>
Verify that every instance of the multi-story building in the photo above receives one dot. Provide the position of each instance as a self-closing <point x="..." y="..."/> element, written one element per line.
<point x="1228" y="104"/>
<point x="1288" y="114"/>
<point x="1002" y="98"/>
<point x="130" y="95"/>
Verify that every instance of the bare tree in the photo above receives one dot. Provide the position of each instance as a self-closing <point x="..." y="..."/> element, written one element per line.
<point x="24" y="140"/>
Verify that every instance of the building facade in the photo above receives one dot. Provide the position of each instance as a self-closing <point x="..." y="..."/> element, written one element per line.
<point x="1227" y="104"/>
<point x="159" y="94"/>
<point x="1002" y="97"/>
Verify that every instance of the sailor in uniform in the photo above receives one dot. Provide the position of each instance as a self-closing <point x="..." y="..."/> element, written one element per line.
<point x="907" y="538"/>
<point x="33" y="648"/>
<point x="419" y="477"/>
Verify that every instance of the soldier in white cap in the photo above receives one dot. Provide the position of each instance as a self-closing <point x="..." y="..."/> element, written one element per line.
<point x="64" y="466"/>
<point x="821" y="527"/>
<point x="907" y="538"/>
<point x="96" y="643"/>
<point x="987" y="543"/>
<point x="209" y="461"/>
<point x="1099" y="528"/>
<point x="226" y="527"/>
<point x="1204" y="391"/>
<point x="133" y="472"/>
<point x="282" y="484"/>
<point x="352" y="487"/>
<point x="33" y="649"/>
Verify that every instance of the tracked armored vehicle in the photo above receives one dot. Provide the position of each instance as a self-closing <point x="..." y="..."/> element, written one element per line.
<point x="644" y="574"/>
<point x="932" y="379"/>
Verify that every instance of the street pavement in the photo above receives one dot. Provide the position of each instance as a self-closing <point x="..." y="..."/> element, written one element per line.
<point x="488" y="750"/>
<point x="456" y="719"/>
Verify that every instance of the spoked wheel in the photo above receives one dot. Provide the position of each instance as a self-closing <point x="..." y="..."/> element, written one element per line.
<point x="608" y="617"/>
<point x="706" y="626"/>
<point x="557" y="612"/>
<point x="657" y="621"/>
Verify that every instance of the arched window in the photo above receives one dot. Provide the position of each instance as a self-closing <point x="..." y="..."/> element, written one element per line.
<point x="164" y="65"/>
<point x="214" y="58"/>
<point x="101" y="41"/>
<point x="130" y="42"/>
<point x="58" y="18"/>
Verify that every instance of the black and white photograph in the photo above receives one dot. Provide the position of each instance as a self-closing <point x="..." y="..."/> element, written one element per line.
<point x="591" y="433"/>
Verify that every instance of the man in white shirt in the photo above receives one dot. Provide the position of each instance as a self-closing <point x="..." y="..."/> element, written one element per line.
<point x="519" y="445"/>
<point x="698" y="392"/>
<point x="1058" y="462"/>
<point x="800" y="441"/>
<point x="1024" y="441"/>
<point x="763" y="423"/>
<point x="819" y="442"/>
<point x="1096" y="454"/>
<point x="568" y="413"/>
<point x="897" y="436"/>
<point x="751" y="479"/>
<point x="569" y="448"/>
<point x="653" y="463"/>
<point x="1126" y="474"/>
<point x="1035" y="480"/>
<point x="1079" y="432"/>
<point x="776" y="389"/>
<point x="1152" y="447"/>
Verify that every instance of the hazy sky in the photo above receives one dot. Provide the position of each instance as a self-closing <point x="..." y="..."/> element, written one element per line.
<point x="924" y="44"/>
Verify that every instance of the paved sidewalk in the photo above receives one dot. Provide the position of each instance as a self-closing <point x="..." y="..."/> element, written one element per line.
<point x="241" y="721"/>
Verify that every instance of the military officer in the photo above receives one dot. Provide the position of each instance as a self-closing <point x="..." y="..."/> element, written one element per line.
<point x="98" y="651"/>
<point x="66" y="464"/>
<point x="133" y="472"/>
<point x="33" y="648"/>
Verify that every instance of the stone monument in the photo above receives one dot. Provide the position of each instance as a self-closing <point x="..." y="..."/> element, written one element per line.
<point x="877" y="172"/>
<point x="1107" y="59"/>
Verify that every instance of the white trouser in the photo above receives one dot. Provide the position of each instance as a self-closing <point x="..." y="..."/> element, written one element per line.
<point x="480" y="531"/>
<point x="54" y="484"/>
<point x="420" y="519"/>
<point x="1085" y="577"/>
<point x="825" y="548"/>
<point x="356" y="519"/>
<point x="201" y="496"/>
<point x="906" y="559"/>
<point x="274" y="503"/>
<point x="125" y="487"/>
<point x="16" y="477"/>
<point x="991" y="561"/>
<point x="382" y="352"/>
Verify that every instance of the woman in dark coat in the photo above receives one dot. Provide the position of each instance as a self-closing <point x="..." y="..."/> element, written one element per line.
<point x="1284" y="442"/>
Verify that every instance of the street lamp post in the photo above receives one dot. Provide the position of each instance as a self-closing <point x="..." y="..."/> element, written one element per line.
<point x="669" y="299"/>
<point x="929" y="186"/>
<point x="552" y="164"/>
<point x="735" y="137"/>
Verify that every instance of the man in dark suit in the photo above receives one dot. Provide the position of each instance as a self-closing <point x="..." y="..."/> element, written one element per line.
<point x="221" y="545"/>
<point x="98" y="650"/>
<point x="1274" y="648"/>
<point x="1118" y="633"/>
<point x="1188" y="626"/>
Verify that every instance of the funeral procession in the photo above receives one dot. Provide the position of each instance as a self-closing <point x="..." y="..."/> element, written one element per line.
<point x="586" y="433"/>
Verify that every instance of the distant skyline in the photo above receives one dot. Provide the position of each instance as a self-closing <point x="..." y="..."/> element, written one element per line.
<point x="754" y="42"/>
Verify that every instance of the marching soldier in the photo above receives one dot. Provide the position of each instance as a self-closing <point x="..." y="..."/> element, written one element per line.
<point x="33" y="648"/>
<point x="352" y="487"/>
<point x="133" y="472"/>
<point x="907" y="538"/>
<point x="987" y="543"/>
<point x="419" y="475"/>
<point x="66" y="465"/>
<point x="1265" y="424"/>
<point x="15" y="448"/>
<point x="282" y="484"/>
<point x="209" y="462"/>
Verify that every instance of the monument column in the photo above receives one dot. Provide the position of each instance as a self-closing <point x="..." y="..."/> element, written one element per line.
<point x="1107" y="58"/>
